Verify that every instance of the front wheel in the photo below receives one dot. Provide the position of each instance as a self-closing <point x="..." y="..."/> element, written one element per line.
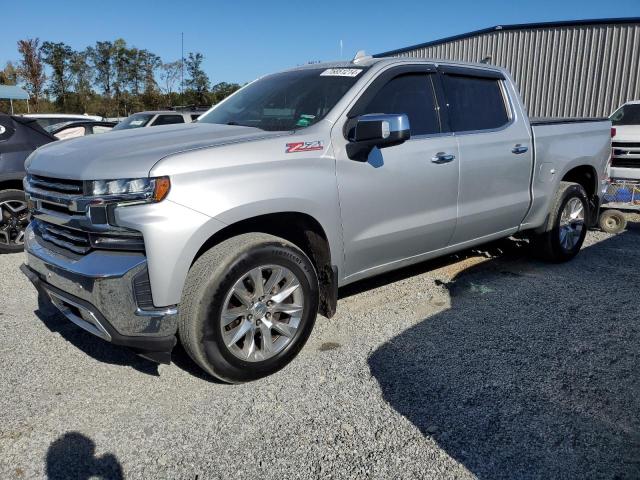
<point x="14" y="218"/>
<point x="248" y="307"/>
<point x="566" y="229"/>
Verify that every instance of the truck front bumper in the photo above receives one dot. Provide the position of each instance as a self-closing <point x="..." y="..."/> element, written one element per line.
<point x="97" y="292"/>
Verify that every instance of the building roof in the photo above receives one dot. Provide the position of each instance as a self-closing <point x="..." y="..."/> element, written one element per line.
<point x="517" y="26"/>
<point x="12" y="92"/>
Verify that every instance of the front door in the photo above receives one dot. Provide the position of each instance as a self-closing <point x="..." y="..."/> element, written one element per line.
<point x="402" y="202"/>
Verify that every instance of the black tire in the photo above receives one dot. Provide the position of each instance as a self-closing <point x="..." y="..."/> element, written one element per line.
<point x="9" y="232"/>
<point x="612" y="221"/>
<point x="547" y="245"/>
<point x="208" y="283"/>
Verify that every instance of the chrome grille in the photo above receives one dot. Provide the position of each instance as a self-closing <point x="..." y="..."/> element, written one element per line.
<point x="58" y="195"/>
<point x="67" y="219"/>
<point x="56" y="185"/>
<point x="625" y="155"/>
<point x="68" y="238"/>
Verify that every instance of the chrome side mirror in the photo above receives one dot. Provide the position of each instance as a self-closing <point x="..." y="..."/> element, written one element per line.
<point x="375" y="130"/>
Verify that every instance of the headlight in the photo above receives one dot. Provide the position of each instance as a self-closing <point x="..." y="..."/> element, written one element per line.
<point x="129" y="189"/>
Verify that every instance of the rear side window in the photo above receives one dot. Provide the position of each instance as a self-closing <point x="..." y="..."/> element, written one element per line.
<point x="475" y="103"/>
<point x="413" y="95"/>
<point x="97" y="129"/>
<point x="168" y="120"/>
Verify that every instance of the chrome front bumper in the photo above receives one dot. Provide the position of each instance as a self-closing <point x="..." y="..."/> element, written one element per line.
<point x="96" y="292"/>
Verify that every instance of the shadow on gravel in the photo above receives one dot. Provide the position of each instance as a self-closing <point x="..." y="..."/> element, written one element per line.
<point x="91" y="345"/>
<point x="112" y="354"/>
<point x="533" y="371"/>
<point x="72" y="457"/>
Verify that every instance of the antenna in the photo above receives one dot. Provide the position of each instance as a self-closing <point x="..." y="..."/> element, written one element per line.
<point x="361" y="56"/>
<point x="341" y="57"/>
<point x="182" y="64"/>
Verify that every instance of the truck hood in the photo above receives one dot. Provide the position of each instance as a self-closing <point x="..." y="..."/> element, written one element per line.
<point x="627" y="133"/>
<point x="132" y="153"/>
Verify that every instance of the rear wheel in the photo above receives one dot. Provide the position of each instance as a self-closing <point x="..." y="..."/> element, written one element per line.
<point x="14" y="218"/>
<point x="567" y="224"/>
<point x="248" y="307"/>
<point x="612" y="221"/>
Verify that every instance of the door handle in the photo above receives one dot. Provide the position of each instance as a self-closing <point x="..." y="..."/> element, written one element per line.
<point x="518" y="149"/>
<point x="442" y="157"/>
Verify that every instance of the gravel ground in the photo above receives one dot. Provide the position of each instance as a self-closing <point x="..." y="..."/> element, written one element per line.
<point x="466" y="367"/>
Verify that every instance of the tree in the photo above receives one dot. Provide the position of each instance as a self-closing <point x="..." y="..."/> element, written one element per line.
<point x="81" y="81"/>
<point x="197" y="79"/>
<point x="9" y="74"/>
<point x="150" y="63"/>
<point x="121" y="74"/>
<point x="59" y="57"/>
<point x="222" y="90"/>
<point x="169" y="75"/>
<point x="101" y="57"/>
<point x="31" y="69"/>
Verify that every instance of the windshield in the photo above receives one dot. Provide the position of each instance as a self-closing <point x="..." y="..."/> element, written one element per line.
<point x="627" y="115"/>
<point x="285" y="101"/>
<point x="136" y="120"/>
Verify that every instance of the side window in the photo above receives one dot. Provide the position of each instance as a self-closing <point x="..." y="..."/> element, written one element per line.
<point x="168" y="120"/>
<point x="475" y="103"/>
<point x="97" y="129"/>
<point x="412" y="94"/>
<point x="194" y="116"/>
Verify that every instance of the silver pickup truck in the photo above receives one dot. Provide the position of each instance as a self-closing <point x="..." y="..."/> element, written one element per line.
<point x="233" y="232"/>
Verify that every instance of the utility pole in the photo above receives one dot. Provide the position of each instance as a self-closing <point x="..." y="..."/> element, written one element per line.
<point x="182" y="68"/>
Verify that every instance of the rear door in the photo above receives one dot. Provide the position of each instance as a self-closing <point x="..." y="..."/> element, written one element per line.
<point x="495" y="152"/>
<point x="402" y="202"/>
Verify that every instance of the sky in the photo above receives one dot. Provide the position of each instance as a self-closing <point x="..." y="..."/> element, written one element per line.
<point x="242" y="40"/>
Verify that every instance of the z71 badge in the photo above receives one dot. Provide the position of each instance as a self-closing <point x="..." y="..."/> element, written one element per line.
<point x="304" y="146"/>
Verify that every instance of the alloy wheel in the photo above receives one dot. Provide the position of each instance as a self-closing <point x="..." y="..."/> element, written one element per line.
<point x="14" y="218"/>
<point x="571" y="223"/>
<point x="262" y="313"/>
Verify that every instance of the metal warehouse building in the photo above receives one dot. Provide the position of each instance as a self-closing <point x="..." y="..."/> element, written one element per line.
<point x="584" y="68"/>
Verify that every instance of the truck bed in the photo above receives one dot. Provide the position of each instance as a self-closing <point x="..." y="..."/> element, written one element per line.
<point x="554" y="121"/>
<point x="559" y="146"/>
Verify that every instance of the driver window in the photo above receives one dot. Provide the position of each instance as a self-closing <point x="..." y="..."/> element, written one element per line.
<point x="413" y="95"/>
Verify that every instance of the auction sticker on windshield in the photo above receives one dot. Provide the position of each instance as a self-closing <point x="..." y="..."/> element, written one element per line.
<point x="304" y="146"/>
<point x="341" y="72"/>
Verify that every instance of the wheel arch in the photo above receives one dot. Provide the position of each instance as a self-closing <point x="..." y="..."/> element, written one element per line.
<point x="587" y="177"/>
<point x="301" y="229"/>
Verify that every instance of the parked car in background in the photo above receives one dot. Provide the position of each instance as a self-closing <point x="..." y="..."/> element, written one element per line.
<point x="73" y="129"/>
<point x="47" y="119"/>
<point x="19" y="136"/>
<point x="233" y="232"/>
<point x="625" y="161"/>
<point x="156" y="118"/>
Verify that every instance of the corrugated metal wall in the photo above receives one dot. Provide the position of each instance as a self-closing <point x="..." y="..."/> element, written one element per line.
<point x="564" y="71"/>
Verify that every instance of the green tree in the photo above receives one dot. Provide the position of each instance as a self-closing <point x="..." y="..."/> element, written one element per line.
<point x="81" y="82"/>
<point x="101" y="57"/>
<point x="222" y="90"/>
<point x="59" y="57"/>
<point x="31" y="68"/>
<point x="197" y="80"/>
